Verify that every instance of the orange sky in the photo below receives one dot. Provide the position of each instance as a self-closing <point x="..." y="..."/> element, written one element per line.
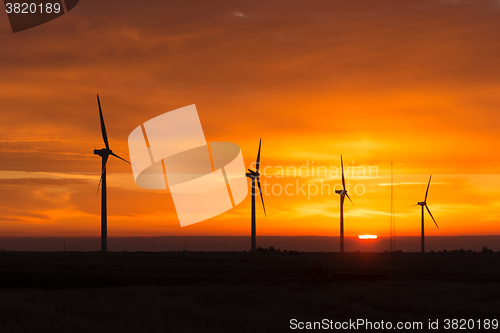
<point x="413" y="82"/>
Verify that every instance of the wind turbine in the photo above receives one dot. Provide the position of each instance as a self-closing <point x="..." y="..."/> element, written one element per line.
<point x="104" y="153"/>
<point x="343" y="194"/>
<point x="254" y="176"/>
<point x="424" y="204"/>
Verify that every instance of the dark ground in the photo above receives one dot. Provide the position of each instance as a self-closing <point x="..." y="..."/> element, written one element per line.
<point x="240" y="292"/>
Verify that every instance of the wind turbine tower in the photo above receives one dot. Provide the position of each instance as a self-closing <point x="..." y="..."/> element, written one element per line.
<point x="104" y="153"/>
<point x="422" y="205"/>
<point x="255" y="177"/>
<point x="343" y="194"/>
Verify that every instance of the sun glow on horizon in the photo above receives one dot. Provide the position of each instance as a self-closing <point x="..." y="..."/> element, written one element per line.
<point x="367" y="236"/>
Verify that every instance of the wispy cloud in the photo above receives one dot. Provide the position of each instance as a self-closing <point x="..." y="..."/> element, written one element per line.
<point x="409" y="183"/>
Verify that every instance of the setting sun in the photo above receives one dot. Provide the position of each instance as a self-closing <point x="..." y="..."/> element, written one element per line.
<point x="367" y="237"/>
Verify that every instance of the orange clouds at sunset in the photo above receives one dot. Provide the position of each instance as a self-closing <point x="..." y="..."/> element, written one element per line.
<point x="413" y="83"/>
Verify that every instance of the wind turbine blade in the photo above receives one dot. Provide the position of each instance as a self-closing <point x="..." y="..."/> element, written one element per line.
<point x="427" y="192"/>
<point x="342" y="166"/>
<point x="103" y="127"/>
<point x="432" y="216"/>
<point x="99" y="186"/>
<point x="102" y="173"/>
<point x="258" y="156"/>
<point x="348" y="197"/>
<point x="261" y="197"/>
<point x="120" y="158"/>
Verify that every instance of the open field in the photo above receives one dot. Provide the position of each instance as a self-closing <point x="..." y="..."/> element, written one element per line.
<point x="239" y="292"/>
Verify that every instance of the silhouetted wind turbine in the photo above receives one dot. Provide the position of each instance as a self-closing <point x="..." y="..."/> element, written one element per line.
<point x="424" y="204"/>
<point x="104" y="153"/>
<point x="343" y="194"/>
<point x="254" y="176"/>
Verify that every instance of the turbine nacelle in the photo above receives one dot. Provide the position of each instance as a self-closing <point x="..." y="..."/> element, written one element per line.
<point x="103" y="152"/>
<point x="421" y="203"/>
<point x="252" y="174"/>
<point x="341" y="192"/>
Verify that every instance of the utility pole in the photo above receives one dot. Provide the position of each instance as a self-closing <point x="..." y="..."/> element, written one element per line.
<point x="393" y="221"/>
